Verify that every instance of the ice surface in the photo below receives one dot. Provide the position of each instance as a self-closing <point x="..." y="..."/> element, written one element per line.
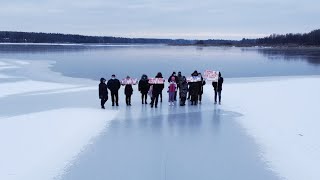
<point x="38" y="146"/>
<point x="29" y="86"/>
<point x="282" y="116"/>
<point x="47" y="120"/>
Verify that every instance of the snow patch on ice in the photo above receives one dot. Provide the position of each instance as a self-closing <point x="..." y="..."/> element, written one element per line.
<point x="283" y="117"/>
<point x="20" y="62"/>
<point x="67" y="90"/>
<point x="39" y="146"/>
<point x="30" y="86"/>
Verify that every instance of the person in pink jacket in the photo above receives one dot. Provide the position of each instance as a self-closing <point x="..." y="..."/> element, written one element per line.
<point x="172" y="88"/>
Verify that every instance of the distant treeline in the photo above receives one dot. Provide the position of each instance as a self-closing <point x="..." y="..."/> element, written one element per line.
<point x="306" y="39"/>
<point x="33" y="37"/>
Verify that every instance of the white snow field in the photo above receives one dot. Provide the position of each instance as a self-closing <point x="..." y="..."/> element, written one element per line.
<point x="40" y="145"/>
<point x="282" y="114"/>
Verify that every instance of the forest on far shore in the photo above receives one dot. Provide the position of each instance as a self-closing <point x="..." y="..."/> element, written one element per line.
<point x="306" y="39"/>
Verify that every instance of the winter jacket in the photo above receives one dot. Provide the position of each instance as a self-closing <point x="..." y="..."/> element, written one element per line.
<point x="201" y="84"/>
<point x="172" y="87"/>
<point x="144" y="86"/>
<point x="183" y="89"/>
<point x="128" y="90"/>
<point x="179" y="80"/>
<point x="103" y="90"/>
<point x="157" y="88"/>
<point x="114" y="85"/>
<point x="218" y="85"/>
<point x="194" y="88"/>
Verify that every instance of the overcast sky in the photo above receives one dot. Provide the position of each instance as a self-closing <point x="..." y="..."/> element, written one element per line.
<point x="191" y="19"/>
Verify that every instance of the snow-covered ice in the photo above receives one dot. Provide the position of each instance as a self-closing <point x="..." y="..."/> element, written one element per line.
<point x="279" y="113"/>
<point x="29" y="86"/>
<point x="40" y="145"/>
<point x="282" y="114"/>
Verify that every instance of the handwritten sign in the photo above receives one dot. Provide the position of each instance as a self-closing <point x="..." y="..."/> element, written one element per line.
<point x="127" y="81"/>
<point x="156" y="81"/>
<point x="211" y="75"/>
<point x="193" y="79"/>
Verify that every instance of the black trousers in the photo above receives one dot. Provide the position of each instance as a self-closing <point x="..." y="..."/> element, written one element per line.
<point x="144" y="97"/>
<point x="103" y="101"/>
<point x="155" y="99"/>
<point x="194" y="99"/>
<point x="128" y="99"/>
<point x="183" y="101"/>
<point x="215" y="96"/>
<point x="114" y="97"/>
<point x="200" y="97"/>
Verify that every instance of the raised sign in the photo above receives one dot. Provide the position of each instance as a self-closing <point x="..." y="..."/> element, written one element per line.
<point x="210" y="75"/>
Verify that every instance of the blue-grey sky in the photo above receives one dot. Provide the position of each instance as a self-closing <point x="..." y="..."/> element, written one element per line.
<point x="190" y="19"/>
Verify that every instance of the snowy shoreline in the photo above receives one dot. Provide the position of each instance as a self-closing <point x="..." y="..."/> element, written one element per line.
<point x="280" y="113"/>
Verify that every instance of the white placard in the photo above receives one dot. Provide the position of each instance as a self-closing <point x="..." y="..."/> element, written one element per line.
<point x="156" y="81"/>
<point x="193" y="79"/>
<point x="132" y="81"/>
<point x="210" y="75"/>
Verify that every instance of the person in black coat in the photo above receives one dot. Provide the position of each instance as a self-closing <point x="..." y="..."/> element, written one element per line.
<point x="144" y="88"/>
<point x="156" y="92"/>
<point x="114" y="86"/>
<point x="218" y="88"/>
<point x="183" y="91"/>
<point x="194" y="88"/>
<point x="201" y="84"/>
<point x="103" y="92"/>
<point x="128" y="90"/>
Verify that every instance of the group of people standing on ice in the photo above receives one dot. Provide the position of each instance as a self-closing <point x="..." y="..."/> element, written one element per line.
<point x="178" y="85"/>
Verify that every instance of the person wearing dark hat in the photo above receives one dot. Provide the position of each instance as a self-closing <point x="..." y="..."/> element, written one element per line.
<point x="194" y="88"/>
<point x="218" y="88"/>
<point x="128" y="90"/>
<point x="201" y="84"/>
<point x="114" y="86"/>
<point x="183" y="91"/>
<point x="156" y="92"/>
<point x="179" y="81"/>
<point x="144" y="88"/>
<point x="103" y="92"/>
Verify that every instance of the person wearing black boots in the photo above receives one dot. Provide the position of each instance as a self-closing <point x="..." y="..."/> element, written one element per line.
<point x="103" y="92"/>
<point x="114" y="86"/>
<point x="218" y="88"/>
<point x="128" y="91"/>
<point x="201" y="84"/>
<point x="194" y="88"/>
<point x="156" y="92"/>
<point x="144" y="88"/>
<point x="183" y="91"/>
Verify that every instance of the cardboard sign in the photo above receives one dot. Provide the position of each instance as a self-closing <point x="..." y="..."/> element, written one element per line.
<point x="211" y="75"/>
<point x="193" y="79"/>
<point x="156" y="81"/>
<point x="131" y="81"/>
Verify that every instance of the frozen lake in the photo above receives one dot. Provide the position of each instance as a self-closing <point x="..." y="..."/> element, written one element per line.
<point x="193" y="142"/>
<point x="96" y="61"/>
